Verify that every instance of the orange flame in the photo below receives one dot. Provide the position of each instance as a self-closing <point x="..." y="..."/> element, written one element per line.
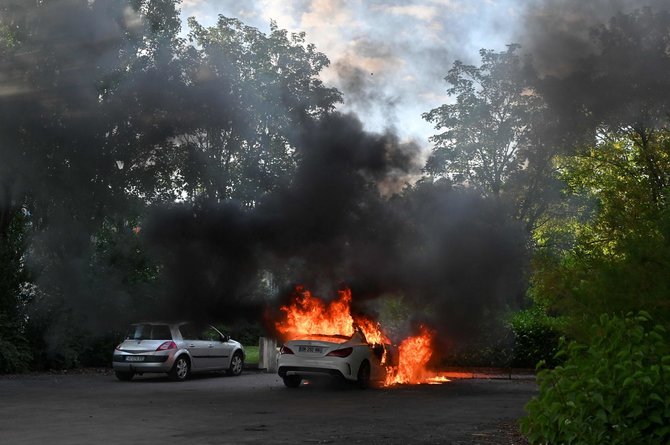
<point x="307" y="315"/>
<point x="414" y="354"/>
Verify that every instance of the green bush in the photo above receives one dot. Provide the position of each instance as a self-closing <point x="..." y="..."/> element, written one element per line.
<point x="15" y="353"/>
<point x="613" y="391"/>
<point x="243" y="331"/>
<point x="536" y="337"/>
<point x="97" y="351"/>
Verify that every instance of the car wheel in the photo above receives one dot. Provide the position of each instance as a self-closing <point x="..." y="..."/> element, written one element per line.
<point x="292" y="381"/>
<point x="181" y="369"/>
<point x="124" y="376"/>
<point x="236" y="364"/>
<point x="363" y="379"/>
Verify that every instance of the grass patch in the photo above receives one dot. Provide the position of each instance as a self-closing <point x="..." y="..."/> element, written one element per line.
<point x="251" y="353"/>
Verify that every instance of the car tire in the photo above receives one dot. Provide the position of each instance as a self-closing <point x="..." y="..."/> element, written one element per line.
<point x="181" y="369"/>
<point x="292" y="381"/>
<point x="236" y="364"/>
<point x="124" y="376"/>
<point x="363" y="380"/>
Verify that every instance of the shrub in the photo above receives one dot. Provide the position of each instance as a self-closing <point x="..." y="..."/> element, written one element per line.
<point x="613" y="391"/>
<point x="15" y="353"/>
<point x="536" y="337"/>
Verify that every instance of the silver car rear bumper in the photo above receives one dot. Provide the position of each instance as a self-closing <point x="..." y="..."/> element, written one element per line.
<point x="149" y="363"/>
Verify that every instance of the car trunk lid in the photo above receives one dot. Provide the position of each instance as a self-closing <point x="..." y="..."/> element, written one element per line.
<point x="315" y="346"/>
<point x="140" y="346"/>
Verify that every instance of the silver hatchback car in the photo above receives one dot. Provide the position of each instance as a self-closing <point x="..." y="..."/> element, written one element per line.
<point x="177" y="349"/>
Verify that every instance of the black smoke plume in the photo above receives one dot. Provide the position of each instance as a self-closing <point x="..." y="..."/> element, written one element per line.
<point x="449" y="251"/>
<point x="75" y="109"/>
<point x="601" y="63"/>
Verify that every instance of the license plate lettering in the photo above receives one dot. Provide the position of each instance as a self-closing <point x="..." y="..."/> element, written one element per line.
<point x="313" y="349"/>
<point x="131" y="358"/>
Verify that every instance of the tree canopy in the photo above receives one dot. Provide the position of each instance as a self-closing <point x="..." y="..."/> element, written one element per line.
<point x="106" y="109"/>
<point x="487" y="131"/>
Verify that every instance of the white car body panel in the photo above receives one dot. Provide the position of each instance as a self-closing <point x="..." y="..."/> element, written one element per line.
<point x="310" y="357"/>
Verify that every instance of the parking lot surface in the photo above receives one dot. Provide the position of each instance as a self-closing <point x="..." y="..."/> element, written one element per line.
<point x="254" y="408"/>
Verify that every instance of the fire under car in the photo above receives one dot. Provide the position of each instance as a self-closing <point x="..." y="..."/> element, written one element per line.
<point x="349" y="358"/>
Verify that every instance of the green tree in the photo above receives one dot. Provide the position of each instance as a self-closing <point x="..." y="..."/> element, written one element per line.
<point x="15" y="353"/>
<point x="487" y="130"/>
<point x="81" y="134"/>
<point x="604" y="246"/>
<point x="255" y="91"/>
<point x="608" y="245"/>
<point x="105" y="111"/>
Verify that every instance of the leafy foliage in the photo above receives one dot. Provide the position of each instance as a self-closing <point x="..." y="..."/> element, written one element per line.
<point x="607" y="245"/>
<point x="495" y="136"/>
<point x="487" y="128"/>
<point x="111" y="111"/>
<point x="536" y="338"/>
<point x="15" y="355"/>
<point x="612" y="390"/>
<point x="255" y="89"/>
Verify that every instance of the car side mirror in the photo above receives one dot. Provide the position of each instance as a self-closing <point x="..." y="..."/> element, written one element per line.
<point x="225" y="338"/>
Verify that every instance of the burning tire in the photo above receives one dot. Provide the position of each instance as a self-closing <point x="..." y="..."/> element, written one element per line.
<point x="181" y="369"/>
<point x="292" y="381"/>
<point x="363" y="380"/>
<point x="236" y="364"/>
<point x="124" y="376"/>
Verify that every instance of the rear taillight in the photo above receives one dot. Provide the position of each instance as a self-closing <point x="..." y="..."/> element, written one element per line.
<point x="167" y="345"/>
<point x="344" y="352"/>
<point x="285" y="350"/>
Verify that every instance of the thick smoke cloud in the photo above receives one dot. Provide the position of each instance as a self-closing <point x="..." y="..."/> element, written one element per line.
<point x="558" y="33"/>
<point x="601" y="62"/>
<point x="448" y="251"/>
<point x="338" y="221"/>
<point x="452" y="252"/>
<point x="61" y="144"/>
<point x="306" y="225"/>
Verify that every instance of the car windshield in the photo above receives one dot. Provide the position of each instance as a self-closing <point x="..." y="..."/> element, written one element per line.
<point x="146" y="331"/>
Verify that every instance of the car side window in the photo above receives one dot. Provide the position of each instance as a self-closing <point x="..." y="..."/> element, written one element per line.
<point x="188" y="332"/>
<point x="210" y="334"/>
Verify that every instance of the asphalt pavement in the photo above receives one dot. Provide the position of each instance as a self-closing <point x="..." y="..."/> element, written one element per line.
<point x="255" y="408"/>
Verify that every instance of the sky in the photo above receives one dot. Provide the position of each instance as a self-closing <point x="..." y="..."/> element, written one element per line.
<point x="388" y="57"/>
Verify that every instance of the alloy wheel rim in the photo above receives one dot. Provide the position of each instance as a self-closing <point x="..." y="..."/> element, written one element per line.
<point x="182" y="368"/>
<point x="237" y="364"/>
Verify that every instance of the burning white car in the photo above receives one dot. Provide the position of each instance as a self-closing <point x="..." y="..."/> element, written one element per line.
<point x="342" y="357"/>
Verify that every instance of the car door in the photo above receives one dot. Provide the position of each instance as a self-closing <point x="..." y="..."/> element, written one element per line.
<point x="198" y="348"/>
<point x="219" y="351"/>
<point x="379" y="358"/>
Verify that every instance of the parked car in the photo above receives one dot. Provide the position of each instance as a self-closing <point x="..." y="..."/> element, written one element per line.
<point x="337" y="356"/>
<point x="177" y="349"/>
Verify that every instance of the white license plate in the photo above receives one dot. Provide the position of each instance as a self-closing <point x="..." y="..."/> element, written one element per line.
<point x="130" y="358"/>
<point x="314" y="349"/>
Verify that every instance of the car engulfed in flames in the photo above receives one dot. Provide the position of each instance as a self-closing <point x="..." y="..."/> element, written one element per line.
<point x="325" y="339"/>
<point x="350" y="358"/>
